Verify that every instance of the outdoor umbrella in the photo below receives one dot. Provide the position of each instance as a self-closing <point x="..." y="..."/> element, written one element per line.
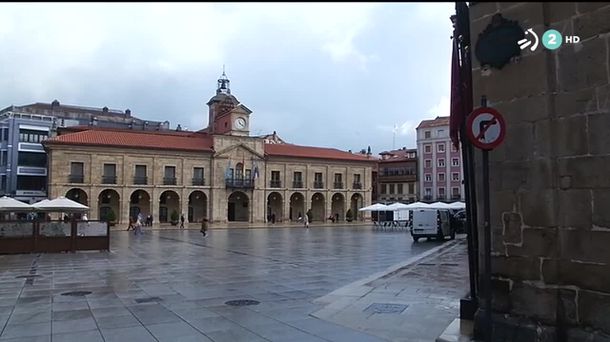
<point x="375" y="207"/>
<point x="60" y="204"/>
<point x="440" y="205"/>
<point x="398" y="206"/>
<point x="418" y="205"/>
<point x="11" y="204"/>
<point x="458" y="205"/>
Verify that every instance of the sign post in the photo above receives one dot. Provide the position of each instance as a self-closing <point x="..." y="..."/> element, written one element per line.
<point x="486" y="128"/>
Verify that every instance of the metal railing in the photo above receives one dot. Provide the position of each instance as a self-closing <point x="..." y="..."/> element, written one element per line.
<point x="239" y="183"/>
<point x="338" y="185"/>
<point x="76" y="178"/>
<point x="318" y="185"/>
<point x="274" y="183"/>
<point x="198" y="181"/>
<point x="357" y="185"/>
<point x="297" y="184"/>
<point x="169" y="180"/>
<point x="108" y="179"/>
<point x="140" y="180"/>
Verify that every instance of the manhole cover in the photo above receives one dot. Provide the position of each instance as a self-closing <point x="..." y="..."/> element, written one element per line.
<point x="29" y="276"/>
<point x="76" y="293"/>
<point x="242" y="302"/>
<point x="380" y="308"/>
<point x="148" y="300"/>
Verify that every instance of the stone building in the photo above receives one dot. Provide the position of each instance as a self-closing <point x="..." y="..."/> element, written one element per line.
<point x="549" y="180"/>
<point x="220" y="173"/>
<point x="397" y="176"/>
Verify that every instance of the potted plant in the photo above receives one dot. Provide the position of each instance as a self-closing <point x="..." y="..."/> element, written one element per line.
<point x="348" y="215"/>
<point x="111" y="218"/>
<point x="174" y="218"/>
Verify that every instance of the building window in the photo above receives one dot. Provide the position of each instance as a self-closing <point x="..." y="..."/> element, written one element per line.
<point x="169" y="177"/>
<point x="198" y="176"/>
<point x="440" y="148"/>
<point x="77" y="172"/>
<point x="440" y="133"/>
<point x="4" y="158"/>
<point x="441" y="177"/>
<point x="109" y="176"/>
<point x="384" y="188"/>
<point x="441" y="162"/>
<point x="427" y="135"/>
<point x="32" y="183"/>
<point x="297" y="179"/>
<point x="428" y="163"/>
<point x="338" y="181"/>
<point x="32" y="159"/>
<point x="5" y="134"/>
<point x="275" y="179"/>
<point x="391" y="189"/>
<point x="455" y="191"/>
<point x="455" y="176"/>
<point x="453" y="149"/>
<point x="239" y="171"/>
<point x="411" y="188"/>
<point x="318" y="182"/>
<point x="428" y="177"/>
<point x="455" y="162"/>
<point x="3" y="183"/>
<point x="400" y="189"/>
<point x="140" y="175"/>
<point x="441" y="193"/>
<point x="32" y="136"/>
<point x="357" y="183"/>
<point x="428" y="148"/>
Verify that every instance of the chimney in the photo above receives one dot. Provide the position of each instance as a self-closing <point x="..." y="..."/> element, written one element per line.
<point x="178" y="129"/>
<point x="54" y="104"/>
<point x="127" y="112"/>
<point x="105" y="109"/>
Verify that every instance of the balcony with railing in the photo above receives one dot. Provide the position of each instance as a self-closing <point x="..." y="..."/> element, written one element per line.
<point x="455" y="197"/>
<point x="239" y="183"/>
<point x="338" y="185"/>
<point x="198" y="181"/>
<point x="318" y="185"/>
<point x="440" y="197"/>
<point x="357" y="185"/>
<point x="108" y="179"/>
<point x="427" y="197"/>
<point x="76" y="178"/>
<point x="140" y="180"/>
<point x="169" y="180"/>
<point x="297" y="184"/>
<point x="275" y="183"/>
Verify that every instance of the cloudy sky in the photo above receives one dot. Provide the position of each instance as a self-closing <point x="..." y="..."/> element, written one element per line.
<point x="344" y="75"/>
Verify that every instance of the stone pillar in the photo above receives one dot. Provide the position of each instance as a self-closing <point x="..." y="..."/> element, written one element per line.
<point x="93" y="204"/>
<point x="184" y="203"/>
<point x="155" y="194"/>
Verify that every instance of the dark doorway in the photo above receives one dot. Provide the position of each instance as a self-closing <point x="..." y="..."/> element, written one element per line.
<point x="231" y="213"/>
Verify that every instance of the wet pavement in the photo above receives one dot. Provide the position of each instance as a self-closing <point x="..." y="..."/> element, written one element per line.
<point x="173" y="285"/>
<point x="414" y="302"/>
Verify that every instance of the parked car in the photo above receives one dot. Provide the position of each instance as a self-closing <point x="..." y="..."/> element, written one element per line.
<point x="431" y="223"/>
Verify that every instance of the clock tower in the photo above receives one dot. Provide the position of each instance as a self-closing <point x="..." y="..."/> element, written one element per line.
<point x="226" y="114"/>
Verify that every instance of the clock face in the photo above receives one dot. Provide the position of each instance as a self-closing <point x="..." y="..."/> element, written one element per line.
<point x="240" y="123"/>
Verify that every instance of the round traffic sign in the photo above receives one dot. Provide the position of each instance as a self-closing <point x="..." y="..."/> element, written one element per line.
<point x="485" y="128"/>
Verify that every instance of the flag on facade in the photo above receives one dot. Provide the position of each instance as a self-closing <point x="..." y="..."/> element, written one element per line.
<point x="456" y="115"/>
<point x="255" y="174"/>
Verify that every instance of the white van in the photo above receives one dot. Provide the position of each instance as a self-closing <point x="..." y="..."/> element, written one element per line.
<point x="430" y="223"/>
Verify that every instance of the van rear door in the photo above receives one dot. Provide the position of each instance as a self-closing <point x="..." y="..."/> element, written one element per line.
<point x="425" y="222"/>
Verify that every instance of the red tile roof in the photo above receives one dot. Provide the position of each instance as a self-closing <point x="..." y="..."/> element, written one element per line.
<point x="148" y="140"/>
<point x="439" y="121"/>
<point x="289" y="150"/>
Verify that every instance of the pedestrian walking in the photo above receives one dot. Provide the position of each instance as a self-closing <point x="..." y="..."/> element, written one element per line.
<point x="84" y="218"/>
<point x="138" y="227"/>
<point x="182" y="221"/>
<point x="131" y="224"/>
<point x="306" y="220"/>
<point x="204" y="227"/>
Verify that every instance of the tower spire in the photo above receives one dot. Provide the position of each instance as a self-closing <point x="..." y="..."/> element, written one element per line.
<point x="223" y="83"/>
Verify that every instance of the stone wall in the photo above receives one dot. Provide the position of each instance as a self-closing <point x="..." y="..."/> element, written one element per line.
<point x="550" y="180"/>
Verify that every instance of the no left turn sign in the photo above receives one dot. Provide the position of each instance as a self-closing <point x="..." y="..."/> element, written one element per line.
<point x="485" y="128"/>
